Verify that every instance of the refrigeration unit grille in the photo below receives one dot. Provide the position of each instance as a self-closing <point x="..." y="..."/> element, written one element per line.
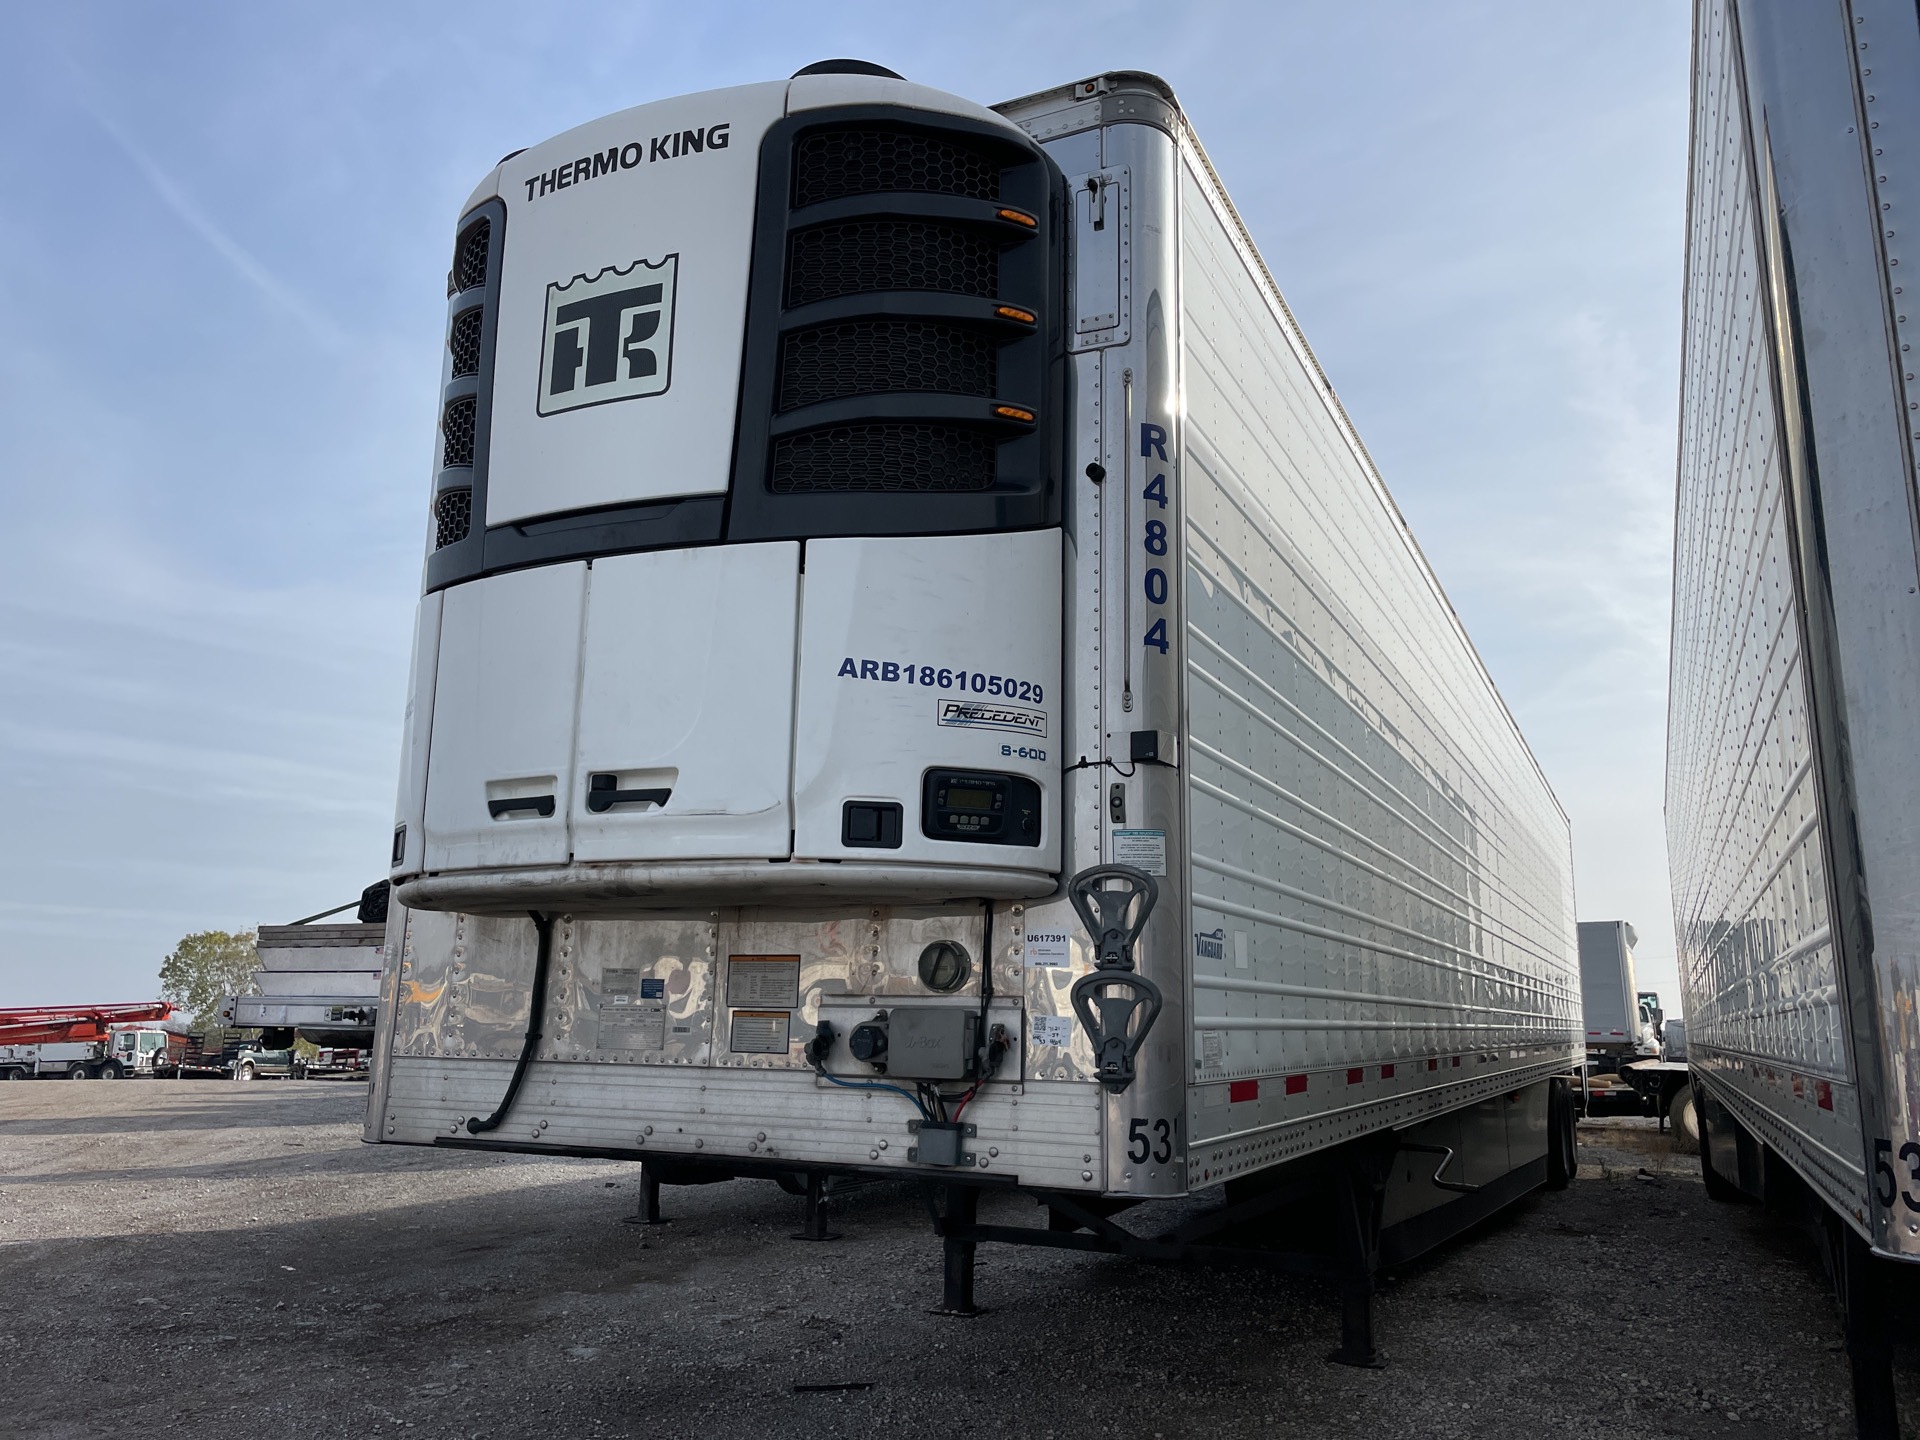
<point x="864" y="256"/>
<point x="457" y="433"/>
<point x="873" y="357"/>
<point x="832" y="164"/>
<point x="464" y="341"/>
<point x="895" y="457"/>
<point x="452" y="517"/>
<point x="470" y="257"/>
<point x="904" y="300"/>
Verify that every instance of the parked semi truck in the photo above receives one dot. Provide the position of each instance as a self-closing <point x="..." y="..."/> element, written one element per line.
<point x="917" y="677"/>
<point x="1793" y="792"/>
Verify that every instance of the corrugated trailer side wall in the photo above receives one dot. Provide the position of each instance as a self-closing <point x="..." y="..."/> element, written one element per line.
<point x="1381" y="878"/>
<point x="1791" y="784"/>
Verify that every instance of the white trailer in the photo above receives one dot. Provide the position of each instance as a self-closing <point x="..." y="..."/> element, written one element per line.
<point x="319" y="983"/>
<point x="1793" y="794"/>
<point x="1618" y="1024"/>
<point x="918" y="677"/>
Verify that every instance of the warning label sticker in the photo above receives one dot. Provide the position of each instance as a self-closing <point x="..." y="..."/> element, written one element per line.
<point x="759" y="1032"/>
<point x="764" y="981"/>
<point x="1144" y="850"/>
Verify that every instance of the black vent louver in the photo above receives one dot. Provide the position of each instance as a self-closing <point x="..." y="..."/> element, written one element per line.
<point x="831" y="164"/>
<point x="906" y="287"/>
<point x="470" y="260"/>
<point x="466" y="401"/>
<point x="452" y="517"/>
<point x="456" y="429"/>
<point x="464" y="341"/>
<point x="863" y="256"/>
<point x="887" y="457"/>
<point x="872" y="357"/>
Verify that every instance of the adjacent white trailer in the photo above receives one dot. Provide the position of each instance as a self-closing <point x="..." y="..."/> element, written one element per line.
<point x="1618" y="1024"/>
<point x="918" y="677"/>
<point x="1793" y="790"/>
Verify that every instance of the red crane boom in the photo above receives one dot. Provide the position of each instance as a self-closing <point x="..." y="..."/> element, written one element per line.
<point x="43" y="1024"/>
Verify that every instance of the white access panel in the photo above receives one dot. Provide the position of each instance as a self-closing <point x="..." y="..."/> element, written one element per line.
<point x="410" y="808"/>
<point x="687" y="687"/>
<point x="688" y="195"/>
<point x="503" y="720"/>
<point x="977" y="620"/>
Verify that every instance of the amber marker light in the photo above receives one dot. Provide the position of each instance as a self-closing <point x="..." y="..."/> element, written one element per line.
<point x="1014" y="312"/>
<point x="1019" y="217"/>
<point x="1013" y="412"/>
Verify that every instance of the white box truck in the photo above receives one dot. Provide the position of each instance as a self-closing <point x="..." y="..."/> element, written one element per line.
<point x="918" y="678"/>
<point x="1793" y="789"/>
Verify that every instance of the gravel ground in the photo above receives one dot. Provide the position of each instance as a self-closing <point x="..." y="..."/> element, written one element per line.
<point x="203" y="1257"/>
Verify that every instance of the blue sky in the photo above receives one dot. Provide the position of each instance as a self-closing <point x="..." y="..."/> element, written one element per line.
<point x="223" y="243"/>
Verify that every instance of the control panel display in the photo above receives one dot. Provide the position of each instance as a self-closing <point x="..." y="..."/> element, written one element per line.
<point x="983" y="808"/>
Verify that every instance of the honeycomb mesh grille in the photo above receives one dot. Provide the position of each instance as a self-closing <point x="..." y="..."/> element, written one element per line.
<point x="830" y="164"/>
<point x="895" y="457"/>
<point x="464" y="342"/>
<point x="457" y="429"/>
<point x="868" y="357"/>
<point x="868" y="255"/>
<point x="452" y="517"/>
<point x="470" y="258"/>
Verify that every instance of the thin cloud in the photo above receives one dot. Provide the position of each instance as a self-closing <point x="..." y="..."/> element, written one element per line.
<point x="202" y="224"/>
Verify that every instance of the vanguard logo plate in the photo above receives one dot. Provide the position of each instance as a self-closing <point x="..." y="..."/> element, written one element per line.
<point x="608" y="336"/>
<point x="985" y="715"/>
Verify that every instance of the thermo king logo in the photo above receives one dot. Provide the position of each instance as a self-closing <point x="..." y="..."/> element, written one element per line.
<point x="608" y="336"/>
<point x="985" y="715"/>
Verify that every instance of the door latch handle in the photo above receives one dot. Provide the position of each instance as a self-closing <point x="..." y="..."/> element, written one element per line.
<point x="604" y="792"/>
<point x="541" y="805"/>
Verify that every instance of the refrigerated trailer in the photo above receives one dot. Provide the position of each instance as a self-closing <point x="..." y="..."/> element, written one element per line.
<point x="918" y="678"/>
<point x="1793" y="789"/>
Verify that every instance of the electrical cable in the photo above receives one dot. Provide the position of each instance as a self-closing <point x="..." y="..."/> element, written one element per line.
<point x="874" y="1085"/>
<point x="1114" y="765"/>
<point x="536" y="1010"/>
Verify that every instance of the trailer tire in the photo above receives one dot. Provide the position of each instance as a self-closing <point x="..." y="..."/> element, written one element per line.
<point x="1684" y="1118"/>
<point x="1563" y="1153"/>
<point x="1719" y="1188"/>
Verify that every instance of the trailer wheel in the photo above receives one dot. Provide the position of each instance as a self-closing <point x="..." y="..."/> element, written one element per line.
<point x="1563" y="1154"/>
<point x="1719" y="1188"/>
<point x="1684" y="1117"/>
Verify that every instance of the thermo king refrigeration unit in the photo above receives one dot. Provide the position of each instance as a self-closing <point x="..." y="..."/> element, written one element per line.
<point x="918" y="677"/>
<point x="1793" y="779"/>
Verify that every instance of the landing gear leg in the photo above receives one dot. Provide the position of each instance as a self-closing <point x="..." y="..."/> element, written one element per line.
<point x="813" y="1225"/>
<point x="649" y="1211"/>
<point x="1358" y="1197"/>
<point x="963" y="1209"/>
